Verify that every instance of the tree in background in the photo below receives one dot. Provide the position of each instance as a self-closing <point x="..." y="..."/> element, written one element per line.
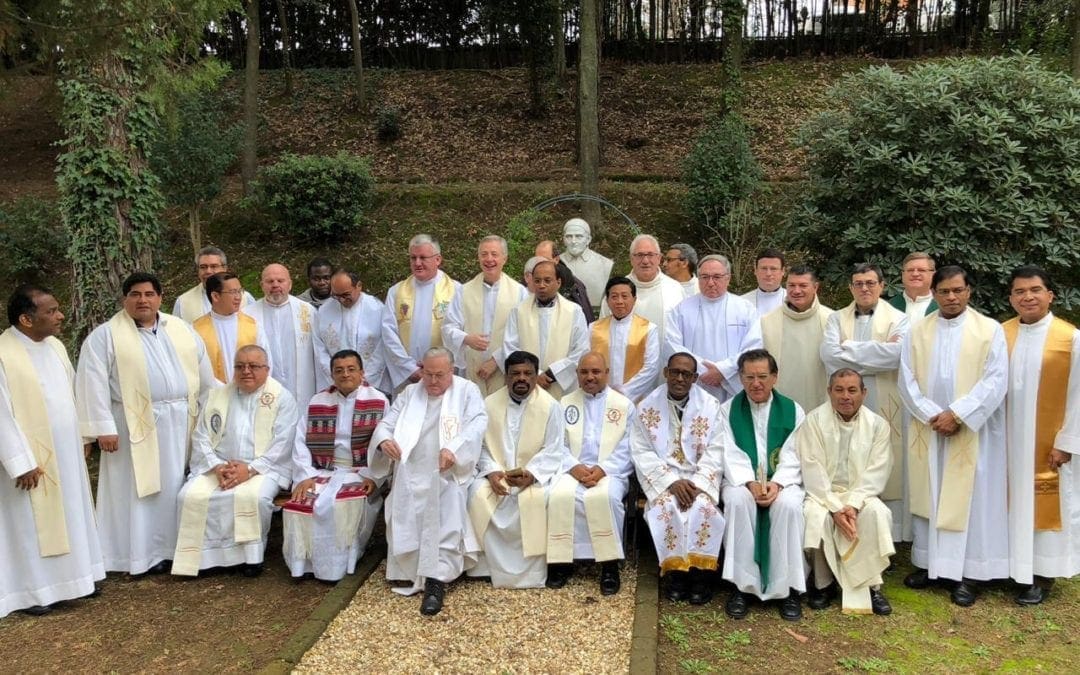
<point x="357" y="53"/>
<point x="976" y="161"/>
<point x="249" y="148"/>
<point x="589" y="108"/>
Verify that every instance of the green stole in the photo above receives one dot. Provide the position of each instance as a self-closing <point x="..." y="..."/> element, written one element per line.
<point x="781" y="424"/>
<point x="900" y="302"/>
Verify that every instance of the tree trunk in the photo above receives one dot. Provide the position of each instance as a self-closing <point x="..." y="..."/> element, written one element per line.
<point x="1076" y="39"/>
<point x="560" y="43"/>
<point x="286" y="47"/>
<point x="249" y="148"/>
<point x="588" y="109"/>
<point x="195" y="228"/>
<point x="358" y="55"/>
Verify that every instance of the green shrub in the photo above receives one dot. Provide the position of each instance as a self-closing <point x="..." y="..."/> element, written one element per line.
<point x="521" y="237"/>
<point x="720" y="170"/>
<point x="33" y="238"/>
<point x="315" y="197"/>
<point x="389" y="120"/>
<point x="976" y="161"/>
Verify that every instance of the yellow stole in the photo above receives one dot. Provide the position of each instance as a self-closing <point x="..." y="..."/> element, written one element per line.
<point x="134" y="380"/>
<point x="247" y="333"/>
<point x="531" y="501"/>
<point x="600" y="341"/>
<point x="472" y="301"/>
<point x="560" y="325"/>
<point x="405" y="302"/>
<point x="1049" y="415"/>
<point x="32" y="418"/>
<point x="958" y="475"/>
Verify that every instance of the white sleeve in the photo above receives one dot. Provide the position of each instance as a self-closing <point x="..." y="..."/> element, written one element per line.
<point x="93" y="395"/>
<point x="643" y="382"/>
<point x="15" y="453"/>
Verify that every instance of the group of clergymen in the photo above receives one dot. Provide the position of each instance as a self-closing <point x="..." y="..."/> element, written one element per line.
<point x="804" y="441"/>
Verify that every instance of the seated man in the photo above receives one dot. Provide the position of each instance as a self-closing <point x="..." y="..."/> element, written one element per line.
<point x="585" y="507"/>
<point x="240" y="452"/>
<point x="433" y="432"/>
<point x="522" y="452"/>
<point x="846" y="458"/>
<point x="335" y="500"/>
<point x="677" y="448"/>
<point x="763" y="497"/>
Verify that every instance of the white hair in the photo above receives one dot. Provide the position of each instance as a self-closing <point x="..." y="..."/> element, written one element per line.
<point x="211" y="250"/>
<point x="644" y="237"/>
<point x="436" y="352"/>
<point x="499" y="240"/>
<point x="425" y="240"/>
<point x="533" y="262"/>
<point x="718" y="258"/>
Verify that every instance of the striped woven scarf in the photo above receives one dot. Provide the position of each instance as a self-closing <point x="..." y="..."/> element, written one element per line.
<point x="322" y="430"/>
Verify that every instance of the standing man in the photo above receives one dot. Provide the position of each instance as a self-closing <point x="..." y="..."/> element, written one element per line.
<point x="657" y="293"/>
<point x="715" y="326"/>
<point x="846" y="460"/>
<point x="866" y="336"/>
<point x="432" y="433"/>
<point x="793" y="334"/>
<point x="587" y="265"/>
<point x="287" y="323"/>
<point x="915" y="300"/>
<point x="414" y="311"/>
<point x="194" y="302"/>
<point x="319" y="271"/>
<point x="572" y="288"/>
<point x="678" y="451"/>
<point x="351" y="319"/>
<point x="763" y="496"/>
<point x="769" y="271"/>
<point x="551" y="326"/>
<point x="240" y="458"/>
<point x="140" y="377"/>
<point x="585" y="507"/>
<point x="476" y="321"/>
<point x="680" y="263"/>
<point x="522" y="453"/>
<point x="954" y="375"/>
<point x="225" y="328"/>
<point x="627" y="341"/>
<point x="51" y="550"/>
<point x="335" y="496"/>
<point x="1043" y="423"/>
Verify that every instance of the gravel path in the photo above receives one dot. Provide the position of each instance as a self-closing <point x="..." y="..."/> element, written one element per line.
<point x="481" y="630"/>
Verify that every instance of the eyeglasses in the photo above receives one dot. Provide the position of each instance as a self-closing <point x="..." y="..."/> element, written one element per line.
<point x="676" y="258"/>
<point x="253" y="367"/>
<point x="644" y="256"/>
<point x="437" y="377"/>
<point x="712" y="277"/>
<point x="341" y="296"/>
<point x="677" y="374"/>
<point x="863" y="284"/>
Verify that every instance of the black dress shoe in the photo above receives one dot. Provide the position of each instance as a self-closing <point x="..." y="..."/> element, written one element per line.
<point x="37" y="610"/>
<point x="252" y="571"/>
<point x="700" y="587"/>
<point x="558" y="574"/>
<point x="791" y="607"/>
<point x="162" y="567"/>
<point x="609" y="577"/>
<point x="920" y="578"/>
<point x="676" y="586"/>
<point x="1032" y="595"/>
<point x="963" y="594"/>
<point x="879" y="603"/>
<point x="434" y="591"/>
<point x="737" y="605"/>
<point x="819" y="598"/>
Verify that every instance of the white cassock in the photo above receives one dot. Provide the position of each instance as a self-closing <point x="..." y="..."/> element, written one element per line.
<point x="787" y="565"/>
<point x="715" y="331"/>
<point x="644" y="380"/>
<point x="358" y="328"/>
<point x="220" y="545"/>
<point x="502" y="555"/>
<point x="690" y="286"/>
<point x="402" y="362"/>
<point x="225" y="328"/>
<point x="667" y="448"/>
<point x="428" y="534"/>
<point x="453" y="326"/>
<point x="794" y="339"/>
<point x="288" y="329"/>
<point x="594" y="415"/>
<point x="1044" y="552"/>
<point x="766" y="301"/>
<point x="182" y="303"/>
<point x="981" y="551"/>
<point x="328" y="537"/>
<point x="563" y="366"/>
<point x="28" y="579"/>
<point x="137" y="532"/>
<point x="654" y="300"/>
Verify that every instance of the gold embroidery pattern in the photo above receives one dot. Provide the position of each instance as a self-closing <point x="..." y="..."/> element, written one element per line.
<point x="650" y="417"/>
<point x="699" y="427"/>
<point x="702" y="537"/>
<point x="670" y="538"/>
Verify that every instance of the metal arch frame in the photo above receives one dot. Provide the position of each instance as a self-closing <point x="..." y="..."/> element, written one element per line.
<point x="577" y="196"/>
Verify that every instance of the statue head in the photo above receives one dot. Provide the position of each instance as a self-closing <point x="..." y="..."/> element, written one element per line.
<point x="576" y="236"/>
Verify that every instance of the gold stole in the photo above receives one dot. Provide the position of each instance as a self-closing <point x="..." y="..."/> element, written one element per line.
<point x="560" y="326"/>
<point x="531" y="502"/>
<point x="246" y="527"/>
<point x="405" y="303"/>
<point x="32" y="418"/>
<point x="472" y="302"/>
<point x="131" y="371"/>
<point x="247" y="333"/>
<point x="1049" y="415"/>
<point x="958" y="475"/>
<point x="890" y="407"/>
<point x="600" y="339"/>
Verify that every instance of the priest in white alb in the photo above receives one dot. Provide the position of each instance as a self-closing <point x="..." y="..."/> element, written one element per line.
<point x="288" y="323"/>
<point x="1043" y="423"/>
<point x="915" y="299"/>
<point x="793" y="335"/>
<point x="50" y="549"/>
<point x="629" y="343"/>
<point x="139" y="380"/>
<point x="241" y="451"/>
<point x="193" y="303"/>
<point x="585" y="506"/>
<point x="953" y="379"/>
<point x="430" y="440"/>
<point x="769" y="269"/>
<point x="225" y="328"/>
<point x="476" y="321"/>
<point x="521" y="454"/>
<point x="678" y="450"/>
<point x="657" y="293"/>
<point x="350" y="319"/>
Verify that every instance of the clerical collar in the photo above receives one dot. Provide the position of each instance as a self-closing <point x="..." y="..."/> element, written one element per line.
<point x="921" y="298"/>
<point x="1048" y="317"/>
<point x="597" y="395"/>
<point x="490" y="284"/>
<point x="759" y="406"/>
<point x="762" y="290"/>
<point x="854" y="417"/>
<point x="351" y="394"/>
<point x="625" y="318"/>
<point x="425" y="283"/>
<point x="679" y="405"/>
<point x="869" y="312"/>
<point x="544" y="305"/>
<point x="269" y="303"/>
<point x="515" y="400"/>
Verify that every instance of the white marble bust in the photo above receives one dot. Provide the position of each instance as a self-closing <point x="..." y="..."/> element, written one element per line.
<point x="592" y="268"/>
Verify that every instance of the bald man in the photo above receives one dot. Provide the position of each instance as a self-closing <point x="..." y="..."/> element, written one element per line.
<point x="287" y="323"/>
